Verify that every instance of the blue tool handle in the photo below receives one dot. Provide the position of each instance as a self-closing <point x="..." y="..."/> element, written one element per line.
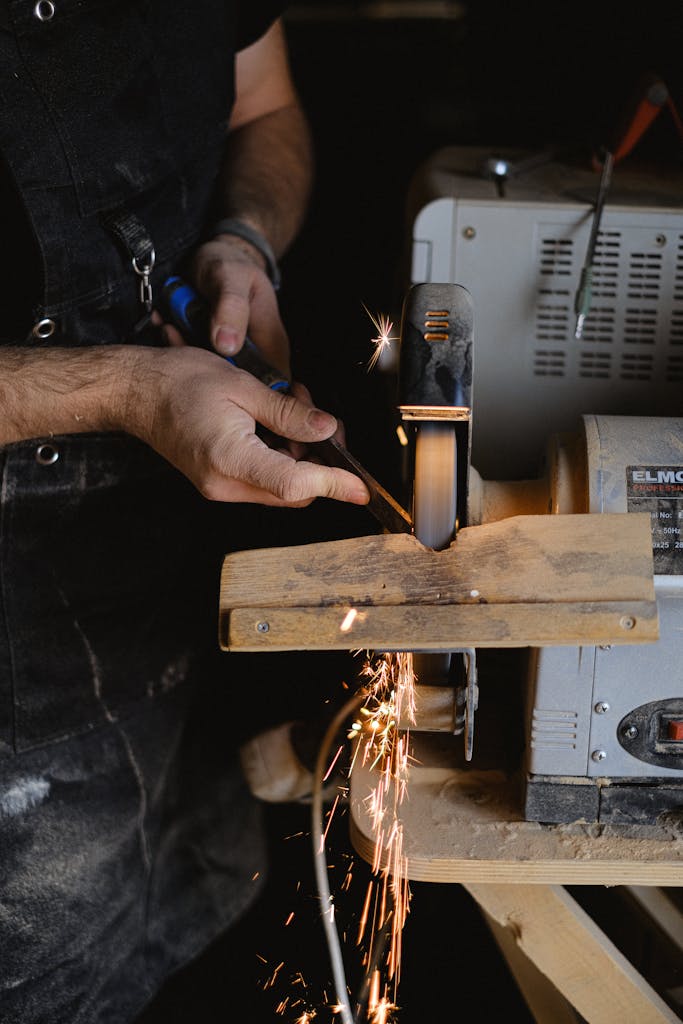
<point x="186" y="310"/>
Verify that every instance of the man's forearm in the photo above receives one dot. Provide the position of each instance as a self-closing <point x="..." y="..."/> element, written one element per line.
<point x="192" y="407"/>
<point x="63" y="391"/>
<point x="267" y="175"/>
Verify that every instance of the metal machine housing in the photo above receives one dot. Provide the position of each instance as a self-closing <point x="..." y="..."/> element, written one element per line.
<point x="518" y="248"/>
<point x="597" y="718"/>
<point x="520" y="255"/>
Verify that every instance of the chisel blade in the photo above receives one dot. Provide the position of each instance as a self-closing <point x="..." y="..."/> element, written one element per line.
<point x="382" y="505"/>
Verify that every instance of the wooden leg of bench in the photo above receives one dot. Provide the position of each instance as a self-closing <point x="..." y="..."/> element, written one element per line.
<point x="565" y="944"/>
<point x="546" y="1003"/>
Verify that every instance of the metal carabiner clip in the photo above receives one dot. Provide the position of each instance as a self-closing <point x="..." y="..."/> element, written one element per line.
<point x="144" y="271"/>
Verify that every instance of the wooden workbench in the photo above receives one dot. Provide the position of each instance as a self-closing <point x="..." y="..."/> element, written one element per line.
<point x="462" y="826"/>
<point x="527" y="581"/>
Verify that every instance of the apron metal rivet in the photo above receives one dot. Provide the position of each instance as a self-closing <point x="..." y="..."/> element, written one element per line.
<point x="44" y="328"/>
<point x="47" y="454"/>
<point x="44" y="10"/>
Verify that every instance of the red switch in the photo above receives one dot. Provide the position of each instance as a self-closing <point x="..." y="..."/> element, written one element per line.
<point x="674" y="729"/>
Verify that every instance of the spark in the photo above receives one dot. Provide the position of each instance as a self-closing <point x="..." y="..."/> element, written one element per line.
<point x="329" y="821"/>
<point x="333" y="762"/>
<point x="271" y="981"/>
<point x="381" y="1010"/>
<point x="384" y="326"/>
<point x="348" y="620"/>
<point x="380" y="744"/>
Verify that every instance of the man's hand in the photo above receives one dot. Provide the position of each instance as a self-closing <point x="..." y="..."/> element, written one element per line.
<point x="229" y="273"/>
<point x="203" y="421"/>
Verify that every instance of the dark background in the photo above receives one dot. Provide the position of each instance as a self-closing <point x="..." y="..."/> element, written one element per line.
<point x="382" y="94"/>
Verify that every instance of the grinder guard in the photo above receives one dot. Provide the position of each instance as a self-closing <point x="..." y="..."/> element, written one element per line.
<point x="435" y="394"/>
<point x="435" y="369"/>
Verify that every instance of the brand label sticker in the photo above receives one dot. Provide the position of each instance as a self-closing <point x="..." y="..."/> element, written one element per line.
<point x="658" y="490"/>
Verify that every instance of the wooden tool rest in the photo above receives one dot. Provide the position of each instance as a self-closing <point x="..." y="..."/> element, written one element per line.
<point x="526" y="581"/>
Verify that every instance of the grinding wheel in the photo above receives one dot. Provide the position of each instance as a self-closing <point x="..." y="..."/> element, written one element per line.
<point x="434" y="503"/>
<point x="435" y="485"/>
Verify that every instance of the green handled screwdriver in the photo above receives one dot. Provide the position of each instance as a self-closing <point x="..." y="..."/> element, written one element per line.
<point x="584" y="293"/>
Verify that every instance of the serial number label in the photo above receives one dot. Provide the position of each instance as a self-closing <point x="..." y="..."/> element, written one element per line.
<point x="658" y="490"/>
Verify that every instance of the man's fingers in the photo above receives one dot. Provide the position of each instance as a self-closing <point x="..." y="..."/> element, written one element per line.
<point x="251" y="305"/>
<point x="230" y="320"/>
<point x="242" y="299"/>
<point x="286" y="482"/>
<point x="238" y="491"/>
<point x="172" y="336"/>
<point x="267" y="331"/>
<point x="284" y="415"/>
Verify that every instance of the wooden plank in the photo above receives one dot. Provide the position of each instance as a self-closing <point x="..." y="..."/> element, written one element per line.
<point x="524" y="559"/>
<point x="546" y="1002"/>
<point x="437" y="628"/>
<point x="465" y="826"/>
<point x="553" y="931"/>
<point x="661" y="910"/>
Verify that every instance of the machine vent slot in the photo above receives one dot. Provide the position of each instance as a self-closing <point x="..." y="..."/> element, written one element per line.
<point x="640" y="326"/>
<point x="644" y="275"/>
<point x="674" y="370"/>
<point x="552" y="322"/>
<point x="606" y="264"/>
<point x="636" y="366"/>
<point x="678" y="277"/>
<point x="549" y="363"/>
<point x="599" y="325"/>
<point x="554" y="729"/>
<point x="436" y="324"/>
<point x="595" y="364"/>
<point x="608" y="242"/>
<point x="676" y="335"/>
<point x="557" y="256"/>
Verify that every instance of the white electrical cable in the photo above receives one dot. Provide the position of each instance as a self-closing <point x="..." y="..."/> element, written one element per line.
<point x="320" y="861"/>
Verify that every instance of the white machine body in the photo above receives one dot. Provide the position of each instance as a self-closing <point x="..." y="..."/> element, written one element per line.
<point x="604" y="729"/>
<point x="520" y="255"/>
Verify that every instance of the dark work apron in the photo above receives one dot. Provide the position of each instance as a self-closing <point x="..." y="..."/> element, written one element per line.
<point x="127" y="837"/>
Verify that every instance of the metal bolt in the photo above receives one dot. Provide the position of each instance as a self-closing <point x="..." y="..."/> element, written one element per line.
<point x="262" y="627"/>
<point x="469" y="232"/>
<point x="605" y="647"/>
<point x="599" y="755"/>
<point x="630" y="732"/>
<point x="601" y="707"/>
<point x="660" y="240"/>
<point x="627" y="622"/>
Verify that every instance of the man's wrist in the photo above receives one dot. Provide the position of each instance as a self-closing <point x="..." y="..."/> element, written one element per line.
<point x="236" y="228"/>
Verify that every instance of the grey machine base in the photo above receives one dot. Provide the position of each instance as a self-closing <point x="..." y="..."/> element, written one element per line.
<point x="645" y="802"/>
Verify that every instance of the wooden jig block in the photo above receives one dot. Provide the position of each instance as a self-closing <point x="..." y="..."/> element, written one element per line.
<point x="535" y="581"/>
